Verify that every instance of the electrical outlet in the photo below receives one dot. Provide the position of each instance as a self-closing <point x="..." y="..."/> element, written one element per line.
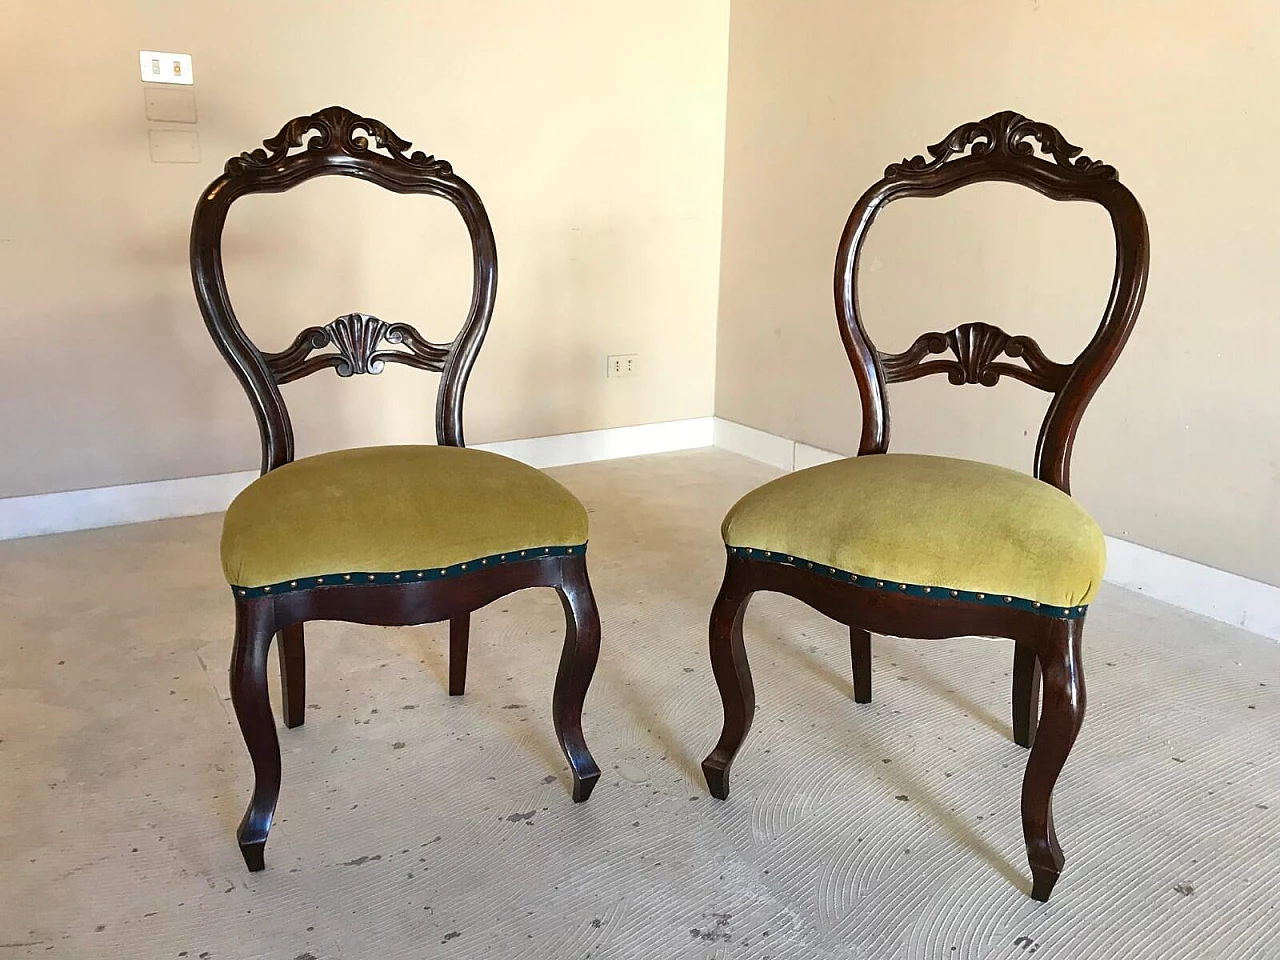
<point x="165" y="67"/>
<point x="622" y="364"/>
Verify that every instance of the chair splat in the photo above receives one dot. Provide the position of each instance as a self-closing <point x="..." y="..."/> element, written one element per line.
<point x="356" y="337"/>
<point x="977" y="348"/>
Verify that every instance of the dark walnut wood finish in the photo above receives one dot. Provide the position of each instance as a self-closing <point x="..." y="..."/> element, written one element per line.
<point x="1011" y="148"/>
<point x="336" y="142"/>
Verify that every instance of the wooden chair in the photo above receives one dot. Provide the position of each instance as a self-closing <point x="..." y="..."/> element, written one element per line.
<point x="931" y="547"/>
<point x="392" y="535"/>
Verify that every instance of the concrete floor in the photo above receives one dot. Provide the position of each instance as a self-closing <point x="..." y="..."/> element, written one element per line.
<point x="412" y="825"/>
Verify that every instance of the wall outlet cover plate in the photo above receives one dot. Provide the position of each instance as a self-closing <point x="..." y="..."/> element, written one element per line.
<point x="169" y="104"/>
<point x="159" y="67"/>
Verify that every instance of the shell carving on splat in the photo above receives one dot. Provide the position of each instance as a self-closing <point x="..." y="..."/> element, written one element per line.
<point x="978" y="349"/>
<point x="976" y="346"/>
<point x="358" y="339"/>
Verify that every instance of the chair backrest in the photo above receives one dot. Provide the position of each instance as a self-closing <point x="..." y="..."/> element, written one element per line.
<point x="1008" y="147"/>
<point x="336" y="141"/>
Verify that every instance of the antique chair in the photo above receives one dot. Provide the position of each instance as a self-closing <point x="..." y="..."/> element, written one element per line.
<point x="392" y="535"/>
<point x="931" y="547"/>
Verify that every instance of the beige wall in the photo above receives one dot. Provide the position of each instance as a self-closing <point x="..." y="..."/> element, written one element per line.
<point x="1179" y="449"/>
<point x="594" y="132"/>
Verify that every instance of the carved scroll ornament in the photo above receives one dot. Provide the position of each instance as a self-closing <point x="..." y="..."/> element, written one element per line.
<point x="333" y="132"/>
<point x="356" y="338"/>
<point x="977" y="348"/>
<point x="1006" y="133"/>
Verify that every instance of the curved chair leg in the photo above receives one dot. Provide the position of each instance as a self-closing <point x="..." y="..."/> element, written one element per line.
<point x="1026" y="693"/>
<point x="860" y="649"/>
<point x="253" y="709"/>
<point x="577" y="664"/>
<point x="1061" y="716"/>
<point x="459" y="635"/>
<point x="733" y="677"/>
<point x="293" y="675"/>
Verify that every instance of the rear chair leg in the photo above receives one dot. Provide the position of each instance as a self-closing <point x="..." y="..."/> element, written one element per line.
<point x="1026" y="693"/>
<point x="459" y="636"/>
<point x="293" y="675"/>
<point x="860" y="649"/>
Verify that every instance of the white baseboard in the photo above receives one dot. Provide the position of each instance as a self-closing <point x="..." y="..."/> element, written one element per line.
<point x="1197" y="587"/>
<point x="159" y="500"/>
<point x="757" y="444"/>
<point x="612" y="444"/>
<point x="111" y="506"/>
<point x="807" y="456"/>
<point x="1202" y="589"/>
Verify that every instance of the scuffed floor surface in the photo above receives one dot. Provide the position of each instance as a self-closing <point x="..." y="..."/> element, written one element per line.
<point x="413" y="825"/>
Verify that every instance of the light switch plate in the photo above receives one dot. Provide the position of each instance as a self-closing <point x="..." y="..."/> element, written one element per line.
<point x="165" y="67"/>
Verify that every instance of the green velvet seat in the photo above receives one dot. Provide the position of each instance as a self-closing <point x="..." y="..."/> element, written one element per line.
<point x="928" y="522"/>
<point x="382" y="511"/>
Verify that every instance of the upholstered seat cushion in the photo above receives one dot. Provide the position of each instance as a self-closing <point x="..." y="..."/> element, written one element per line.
<point x="390" y="509"/>
<point x="928" y="521"/>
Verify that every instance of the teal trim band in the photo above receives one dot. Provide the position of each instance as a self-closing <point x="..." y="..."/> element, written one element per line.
<point x="365" y="578"/>
<point x="910" y="589"/>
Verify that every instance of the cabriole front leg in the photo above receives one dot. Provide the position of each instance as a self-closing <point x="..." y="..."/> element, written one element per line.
<point x="1062" y="678"/>
<point x="733" y="678"/>
<point x="577" y="664"/>
<point x="252" y="704"/>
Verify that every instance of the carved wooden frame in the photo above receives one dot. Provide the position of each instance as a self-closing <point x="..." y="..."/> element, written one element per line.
<point x="1005" y="147"/>
<point x="1002" y="147"/>
<point x="336" y="142"/>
